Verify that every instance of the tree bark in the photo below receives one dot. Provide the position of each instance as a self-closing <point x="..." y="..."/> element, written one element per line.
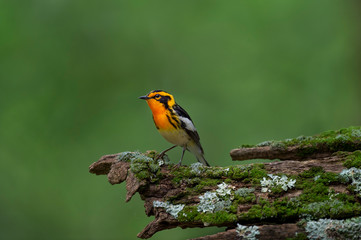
<point x="276" y="213"/>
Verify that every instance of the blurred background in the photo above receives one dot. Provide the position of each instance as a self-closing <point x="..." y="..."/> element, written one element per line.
<point x="71" y="73"/>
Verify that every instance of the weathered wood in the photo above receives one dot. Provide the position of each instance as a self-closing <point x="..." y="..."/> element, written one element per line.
<point x="317" y="192"/>
<point x="118" y="171"/>
<point x="267" y="232"/>
<point x="269" y="152"/>
<point x="329" y="164"/>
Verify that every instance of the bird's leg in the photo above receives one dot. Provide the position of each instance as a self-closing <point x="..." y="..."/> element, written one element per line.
<point x="160" y="155"/>
<point x="180" y="161"/>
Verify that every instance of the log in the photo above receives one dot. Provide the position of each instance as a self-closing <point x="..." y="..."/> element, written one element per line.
<point x="275" y="200"/>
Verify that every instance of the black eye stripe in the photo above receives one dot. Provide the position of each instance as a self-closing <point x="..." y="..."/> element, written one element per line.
<point x="164" y="100"/>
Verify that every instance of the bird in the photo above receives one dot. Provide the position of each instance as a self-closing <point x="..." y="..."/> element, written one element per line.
<point x="174" y="124"/>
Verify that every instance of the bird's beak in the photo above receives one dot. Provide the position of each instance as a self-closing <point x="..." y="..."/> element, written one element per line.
<point x="144" y="97"/>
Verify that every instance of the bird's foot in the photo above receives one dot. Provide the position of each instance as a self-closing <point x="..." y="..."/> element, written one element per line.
<point x="177" y="166"/>
<point x="160" y="155"/>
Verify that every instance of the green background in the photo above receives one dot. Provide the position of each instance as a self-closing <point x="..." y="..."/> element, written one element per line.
<point x="71" y="73"/>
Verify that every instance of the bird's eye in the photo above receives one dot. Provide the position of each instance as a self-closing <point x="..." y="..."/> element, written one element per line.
<point x="157" y="96"/>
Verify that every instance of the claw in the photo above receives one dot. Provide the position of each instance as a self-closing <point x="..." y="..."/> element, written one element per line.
<point x="176" y="166"/>
<point x="159" y="156"/>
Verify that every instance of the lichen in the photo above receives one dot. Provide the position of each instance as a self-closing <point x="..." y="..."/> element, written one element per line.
<point x="210" y="202"/>
<point x="143" y="165"/>
<point x="201" y="179"/>
<point x="197" y="168"/>
<point x="247" y="232"/>
<point x="220" y="200"/>
<point x="223" y="190"/>
<point x="169" y="208"/>
<point x="133" y="157"/>
<point x="214" y="208"/>
<point x="329" y="229"/>
<point x="265" y="143"/>
<point x="215" y="201"/>
<point x="317" y="200"/>
<point x="353" y="176"/>
<point x="276" y="183"/>
<point x="327" y="208"/>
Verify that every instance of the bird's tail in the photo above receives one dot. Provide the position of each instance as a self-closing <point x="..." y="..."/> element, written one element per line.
<point x="198" y="152"/>
<point x="201" y="159"/>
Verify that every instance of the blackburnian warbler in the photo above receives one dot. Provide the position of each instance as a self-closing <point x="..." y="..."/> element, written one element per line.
<point x="174" y="124"/>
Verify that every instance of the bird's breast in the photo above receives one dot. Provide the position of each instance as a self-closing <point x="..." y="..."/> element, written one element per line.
<point x="164" y="121"/>
<point x="176" y="136"/>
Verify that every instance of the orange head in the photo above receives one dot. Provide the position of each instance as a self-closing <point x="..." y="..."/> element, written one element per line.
<point x="159" y="101"/>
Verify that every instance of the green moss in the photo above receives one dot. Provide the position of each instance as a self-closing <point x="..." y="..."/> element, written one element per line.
<point x="318" y="175"/>
<point x="279" y="210"/>
<point x="228" y="181"/>
<point x="154" y="167"/>
<point x="217" y="218"/>
<point x="188" y="214"/>
<point x="299" y="236"/>
<point x="194" y="181"/>
<point x="204" y="184"/>
<point x="317" y="200"/>
<point x="276" y="190"/>
<point x="248" y="173"/>
<point x="143" y="174"/>
<point x="215" y="172"/>
<point x="257" y="173"/>
<point x="152" y="154"/>
<point x="238" y="172"/>
<point x="247" y="146"/>
<point x="313" y="192"/>
<point x="331" y="208"/>
<point x="286" y="210"/>
<point x="138" y="167"/>
<point x="142" y="165"/>
<point x="246" y="196"/>
<point x="353" y="160"/>
<point x="181" y="173"/>
<point x="346" y="198"/>
<point x="187" y="172"/>
<point x="212" y="176"/>
<point x="346" y="139"/>
<point x="312" y="172"/>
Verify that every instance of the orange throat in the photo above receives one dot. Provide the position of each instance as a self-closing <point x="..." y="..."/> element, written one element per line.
<point x="162" y="123"/>
<point x="160" y="117"/>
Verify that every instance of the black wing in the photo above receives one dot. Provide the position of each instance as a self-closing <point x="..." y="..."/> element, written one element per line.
<point x="192" y="133"/>
<point x="181" y="112"/>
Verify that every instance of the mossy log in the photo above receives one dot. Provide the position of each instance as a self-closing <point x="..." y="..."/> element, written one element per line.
<point x="275" y="200"/>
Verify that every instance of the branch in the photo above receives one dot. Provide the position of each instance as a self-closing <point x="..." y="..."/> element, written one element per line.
<point x="318" y="147"/>
<point x="267" y="232"/>
<point x="243" y="198"/>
